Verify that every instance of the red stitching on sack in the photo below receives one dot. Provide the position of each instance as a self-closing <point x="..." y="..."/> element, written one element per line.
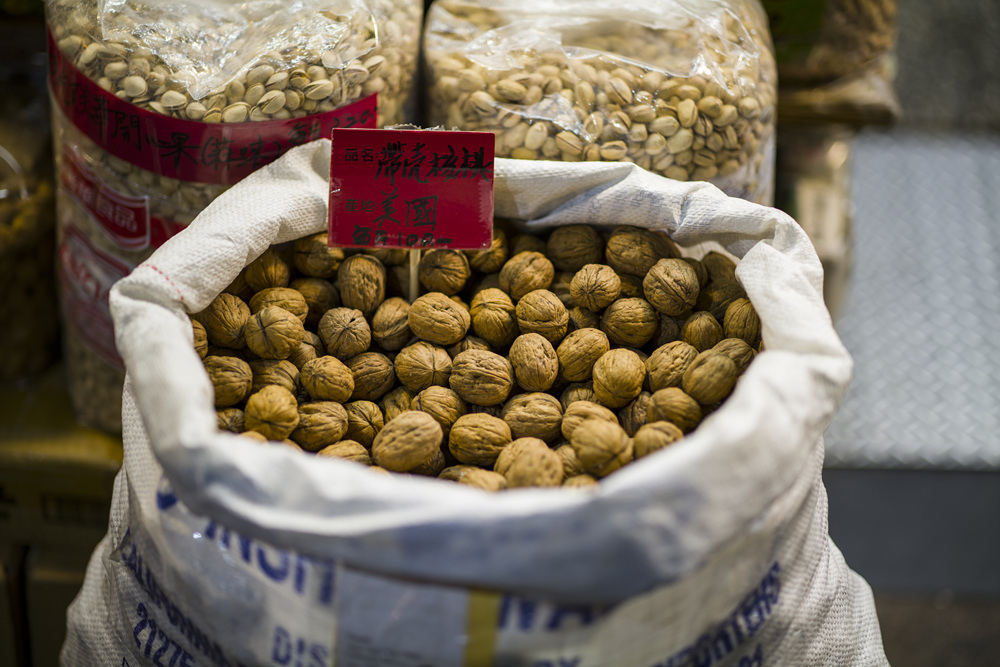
<point x="179" y="293"/>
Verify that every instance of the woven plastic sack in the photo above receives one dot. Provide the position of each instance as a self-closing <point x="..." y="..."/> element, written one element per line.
<point x="713" y="551"/>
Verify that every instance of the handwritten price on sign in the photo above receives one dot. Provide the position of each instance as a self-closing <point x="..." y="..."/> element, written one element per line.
<point x="411" y="189"/>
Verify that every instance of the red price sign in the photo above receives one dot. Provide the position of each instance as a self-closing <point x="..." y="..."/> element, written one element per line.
<point x="411" y="189"/>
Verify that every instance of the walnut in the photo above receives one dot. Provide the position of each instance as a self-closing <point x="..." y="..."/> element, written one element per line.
<point x="655" y="436"/>
<point x="345" y="332"/>
<point x="433" y="466"/>
<point x="737" y="350"/>
<point x="389" y="256"/>
<point x="410" y="440"/>
<point x="513" y="450"/>
<point x="274" y="332"/>
<point x="618" y="377"/>
<point x="320" y="423"/>
<point x="490" y="260"/>
<point x="595" y="287"/>
<point x="493" y="318"/>
<point x="667" y="364"/>
<point x="535" y="415"/>
<point x="631" y="287"/>
<point x="669" y="331"/>
<point x="421" y="365"/>
<point x="581" y="318"/>
<point x="602" y="447"/>
<point x="699" y="270"/>
<point x="532" y="464"/>
<point x="526" y="243"/>
<point x="396" y="401"/>
<point x="327" y="378"/>
<point x="489" y="281"/>
<point x="361" y="281"/>
<point x="671" y="286"/>
<point x="701" y="331"/>
<point x="482" y="378"/>
<point x="239" y="287"/>
<point x="374" y="375"/>
<point x="443" y="270"/>
<point x="491" y="410"/>
<point x="390" y="326"/>
<point x="313" y="257"/>
<point x="534" y="362"/>
<point x="630" y="322"/>
<point x="634" y="251"/>
<point x="578" y="412"/>
<point x="570" y="463"/>
<point x="710" y="377"/>
<point x="200" y="338"/>
<point x="283" y="297"/>
<point x="477" y="439"/>
<point x="579" y="351"/>
<point x="441" y="403"/>
<point x="540" y="311"/>
<point x="561" y="288"/>
<point x="320" y="296"/>
<point x="469" y="343"/>
<point x="230" y="419"/>
<point x="487" y="480"/>
<point x="348" y="450"/>
<point x="633" y="415"/>
<point x="525" y="272"/>
<point x="717" y="295"/>
<point x="231" y="378"/>
<point x="741" y="321"/>
<point x="437" y="319"/>
<point x="580" y="481"/>
<point x="273" y="412"/>
<point x="274" y="371"/>
<point x="268" y="270"/>
<point x="573" y="246"/>
<point x="364" y="421"/>
<point x="719" y="267"/>
<point x="675" y="406"/>
<point x="254" y="435"/>
<point x="307" y="350"/>
<point x="577" y="391"/>
<point x="225" y="320"/>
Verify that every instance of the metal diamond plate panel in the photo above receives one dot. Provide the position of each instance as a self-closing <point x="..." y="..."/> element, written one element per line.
<point x="922" y="318"/>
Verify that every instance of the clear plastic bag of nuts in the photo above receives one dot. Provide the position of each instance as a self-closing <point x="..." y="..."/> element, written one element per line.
<point x="684" y="88"/>
<point x="159" y="107"/>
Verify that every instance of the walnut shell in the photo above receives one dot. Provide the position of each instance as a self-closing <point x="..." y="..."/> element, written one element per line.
<point x="699" y="270"/>
<point x="492" y="259"/>
<point x="534" y="362"/>
<point x="634" y="251"/>
<point x="602" y="447"/>
<point x="579" y="351"/>
<point x="273" y="333"/>
<point x="437" y="319"/>
<point x="631" y="287"/>
<point x="493" y="317"/>
<point x="581" y="318"/>
<point x="345" y="332"/>
<point x="283" y="297"/>
<point x="433" y="466"/>
<point x="230" y="419"/>
<point x="702" y="331"/>
<point x="410" y="440"/>
<point x="717" y="295"/>
<point x="232" y="379"/>
<point x="526" y="243"/>
<point x="655" y="436"/>
<point x="268" y="270"/>
<point x="477" y="439"/>
<point x="200" y="338"/>
<point x="513" y="450"/>
<point x="570" y="463"/>
<point x="719" y="267"/>
<point x="487" y="480"/>
<point x="443" y="404"/>
<point x="443" y="270"/>
<point x="389" y="256"/>
<point x="313" y="257"/>
<point x="667" y="364"/>
<point x="534" y="466"/>
<point x="364" y="421"/>
<point x="580" y="482"/>
<point x="561" y="288"/>
<point x="482" y="378"/>
<point x="320" y="296"/>
<point x="577" y="391"/>
<point x="239" y="287"/>
<point x="668" y="332"/>
<point x="671" y="286"/>
<point x="273" y="412"/>
<point x="675" y="406"/>
<point x="469" y="343"/>
<point x="737" y="350"/>
<point x="578" y="412"/>
<point x="526" y="272"/>
<point x="633" y="416"/>
<point x="327" y="378"/>
<point x="421" y="365"/>
<point x="274" y="371"/>
<point x="374" y="375"/>
<point x="540" y="311"/>
<point x="390" y="325"/>
<point x="361" y="281"/>
<point x="321" y="423"/>
<point x="710" y="377"/>
<point x="630" y="322"/>
<point x="396" y="401"/>
<point x="254" y="435"/>
<point x="595" y="287"/>
<point x="348" y="450"/>
<point x="535" y="415"/>
<point x="618" y="377"/>
<point x="225" y="320"/>
<point x="573" y="246"/>
<point x="741" y="321"/>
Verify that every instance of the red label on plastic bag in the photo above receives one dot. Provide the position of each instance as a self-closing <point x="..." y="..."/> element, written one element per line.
<point x="86" y="275"/>
<point x="188" y="150"/>
<point x="411" y="189"/>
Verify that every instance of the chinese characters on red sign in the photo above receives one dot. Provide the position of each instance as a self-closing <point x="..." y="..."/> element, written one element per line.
<point x="411" y="189"/>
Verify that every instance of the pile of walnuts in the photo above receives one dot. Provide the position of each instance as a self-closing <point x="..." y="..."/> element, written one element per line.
<point x="541" y="361"/>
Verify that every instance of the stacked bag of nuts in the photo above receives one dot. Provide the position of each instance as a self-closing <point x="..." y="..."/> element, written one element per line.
<point x="544" y="360"/>
<point x="683" y="88"/>
<point x="158" y="108"/>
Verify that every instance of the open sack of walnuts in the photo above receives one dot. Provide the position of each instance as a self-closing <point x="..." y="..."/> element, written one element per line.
<point x="551" y="454"/>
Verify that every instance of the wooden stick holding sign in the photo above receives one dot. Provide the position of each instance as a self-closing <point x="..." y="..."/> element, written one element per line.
<point x="411" y="189"/>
